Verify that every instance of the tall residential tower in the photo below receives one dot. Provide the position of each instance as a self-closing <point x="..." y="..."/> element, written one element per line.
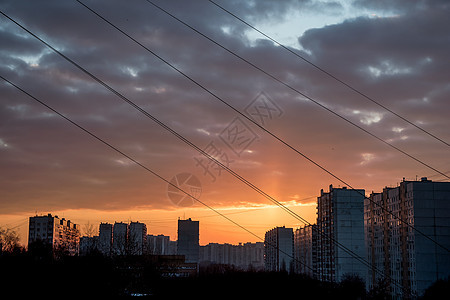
<point x="188" y="240"/>
<point x="408" y="235"/>
<point x="340" y="227"/>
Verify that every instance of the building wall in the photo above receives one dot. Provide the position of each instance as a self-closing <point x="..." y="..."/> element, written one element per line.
<point x="411" y="260"/>
<point x="349" y="233"/>
<point x="242" y="256"/>
<point x="137" y="238"/>
<point x="160" y="245"/>
<point x="105" y="237"/>
<point x="120" y="232"/>
<point x="305" y="250"/>
<point x="279" y="249"/>
<point x="60" y="234"/>
<point x="188" y="240"/>
<point x="341" y="244"/>
<point x="88" y="245"/>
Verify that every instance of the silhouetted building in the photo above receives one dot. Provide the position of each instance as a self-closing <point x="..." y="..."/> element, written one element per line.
<point x="188" y="240"/>
<point x="89" y="245"/>
<point x="306" y="250"/>
<point x="105" y="237"/>
<point x="407" y="235"/>
<point x="120" y="234"/>
<point x="253" y="255"/>
<point x="340" y="224"/>
<point x="172" y="247"/>
<point x="279" y="249"/>
<point x="137" y="238"/>
<point x="160" y="245"/>
<point x="61" y="235"/>
<point x="242" y="256"/>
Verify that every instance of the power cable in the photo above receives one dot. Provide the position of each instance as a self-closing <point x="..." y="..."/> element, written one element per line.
<point x="293" y="89"/>
<point x="170" y="130"/>
<point x="261" y="127"/>
<point x="329" y="74"/>
<point x="123" y="98"/>
<point x="183" y="139"/>
<point x="141" y="165"/>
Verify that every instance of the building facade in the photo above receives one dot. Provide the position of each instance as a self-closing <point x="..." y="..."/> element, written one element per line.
<point x="160" y="245"/>
<point x="119" y="242"/>
<point x="306" y="250"/>
<point x="61" y="235"/>
<point x="188" y="240"/>
<point x="105" y="237"/>
<point x="137" y="238"/>
<point x="279" y="249"/>
<point x="88" y="245"/>
<point x="248" y="256"/>
<point x="407" y="232"/>
<point x="340" y="227"/>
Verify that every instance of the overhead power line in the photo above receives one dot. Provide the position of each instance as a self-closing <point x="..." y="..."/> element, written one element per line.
<point x="122" y="97"/>
<point x="331" y="75"/>
<point x="193" y="145"/>
<point x="262" y="128"/>
<point x="188" y="194"/>
<point x="145" y="167"/>
<point x="187" y="141"/>
<point x="267" y="131"/>
<point x="291" y="88"/>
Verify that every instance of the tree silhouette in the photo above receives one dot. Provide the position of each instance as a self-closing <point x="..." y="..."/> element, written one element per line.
<point x="380" y="291"/>
<point x="352" y="286"/>
<point x="9" y="241"/>
<point x="89" y="230"/>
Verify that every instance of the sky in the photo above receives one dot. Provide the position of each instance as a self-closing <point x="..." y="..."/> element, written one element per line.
<point x="274" y="119"/>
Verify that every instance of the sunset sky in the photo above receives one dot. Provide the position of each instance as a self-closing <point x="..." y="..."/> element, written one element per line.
<point x="395" y="52"/>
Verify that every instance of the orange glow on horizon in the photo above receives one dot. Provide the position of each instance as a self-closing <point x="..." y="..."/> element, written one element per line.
<point x="214" y="228"/>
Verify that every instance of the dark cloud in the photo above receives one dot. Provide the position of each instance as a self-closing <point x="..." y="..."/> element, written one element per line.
<point x="401" y="6"/>
<point x="47" y="162"/>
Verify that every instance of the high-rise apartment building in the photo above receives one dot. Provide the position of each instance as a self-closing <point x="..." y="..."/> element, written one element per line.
<point x="408" y="236"/>
<point x="279" y="249"/>
<point x="105" y="238"/>
<point x="60" y="235"/>
<point x="188" y="240"/>
<point x="306" y="250"/>
<point x="137" y="238"/>
<point x="340" y="227"/>
<point x="120" y="234"/>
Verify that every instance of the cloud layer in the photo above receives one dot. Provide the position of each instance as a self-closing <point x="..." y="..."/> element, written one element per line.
<point x="47" y="163"/>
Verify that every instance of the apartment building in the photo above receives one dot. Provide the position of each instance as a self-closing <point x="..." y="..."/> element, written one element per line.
<point x="407" y="232"/>
<point x="340" y="228"/>
<point x="188" y="240"/>
<point x="306" y="250"/>
<point x="61" y="235"/>
<point x="279" y="249"/>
